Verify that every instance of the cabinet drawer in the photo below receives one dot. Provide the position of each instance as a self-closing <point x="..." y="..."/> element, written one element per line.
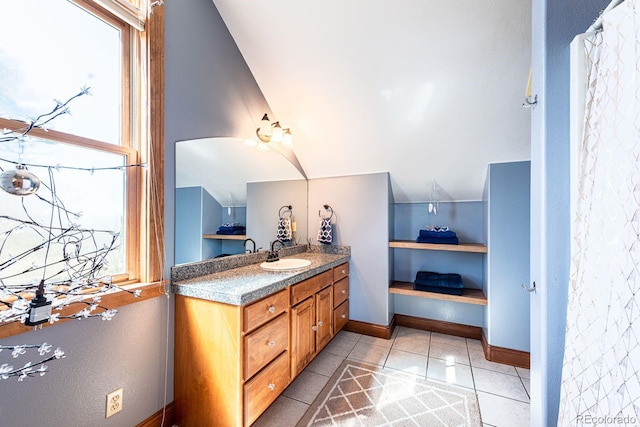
<point x="261" y="391"/>
<point x="340" y="291"/>
<point x="340" y="316"/>
<point x="340" y="271"/>
<point x="310" y="286"/>
<point x="262" y="311"/>
<point x="264" y="344"/>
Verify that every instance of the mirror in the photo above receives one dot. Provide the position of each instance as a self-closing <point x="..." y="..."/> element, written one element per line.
<point x="213" y="176"/>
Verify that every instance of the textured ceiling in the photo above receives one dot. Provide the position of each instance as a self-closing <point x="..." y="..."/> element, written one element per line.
<point x="426" y="90"/>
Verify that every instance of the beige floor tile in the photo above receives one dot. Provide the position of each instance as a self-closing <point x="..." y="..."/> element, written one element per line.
<point x="325" y="363"/>
<point x="283" y="412"/>
<point x="350" y="335"/>
<point x="340" y="345"/>
<point x="478" y="361"/>
<point x="474" y="345"/>
<point x="369" y="353"/>
<point x="403" y="331"/>
<point x="527" y="385"/>
<point x="376" y="341"/>
<point x="500" y="384"/>
<point x="448" y="339"/>
<point x="502" y="412"/>
<point x="306" y="387"/>
<point x="524" y="373"/>
<point x="447" y="351"/>
<point x="410" y="363"/>
<point x="449" y="372"/>
<point x="412" y="343"/>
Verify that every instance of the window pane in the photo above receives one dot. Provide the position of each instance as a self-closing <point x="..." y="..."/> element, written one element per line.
<point x="49" y="49"/>
<point x="25" y="221"/>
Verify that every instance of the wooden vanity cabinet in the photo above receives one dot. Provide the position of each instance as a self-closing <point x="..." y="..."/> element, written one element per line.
<point x="320" y="308"/>
<point x="340" y="297"/>
<point x="311" y="319"/>
<point x="231" y="362"/>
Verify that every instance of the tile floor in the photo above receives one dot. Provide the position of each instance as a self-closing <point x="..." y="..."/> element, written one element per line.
<point x="503" y="391"/>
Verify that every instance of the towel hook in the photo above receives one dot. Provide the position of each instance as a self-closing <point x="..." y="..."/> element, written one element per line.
<point x="326" y="208"/>
<point x="530" y="102"/>
<point x="288" y="207"/>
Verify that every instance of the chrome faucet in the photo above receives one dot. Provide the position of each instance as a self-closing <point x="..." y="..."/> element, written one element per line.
<point x="273" y="254"/>
<point x="254" y="245"/>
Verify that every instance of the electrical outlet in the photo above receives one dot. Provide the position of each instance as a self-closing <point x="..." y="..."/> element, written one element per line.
<point x="114" y="402"/>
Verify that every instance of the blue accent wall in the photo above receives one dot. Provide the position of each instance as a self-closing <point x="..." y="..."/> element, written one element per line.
<point x="188" y="224"/>
<point x="554" y="25"/>
<point x="211" y="220"/>
<point x="465" y="218"/>
<point x="361" y="209"/>
<point x="507" y="229"/>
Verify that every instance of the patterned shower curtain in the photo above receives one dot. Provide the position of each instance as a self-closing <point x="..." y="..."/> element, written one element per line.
<point x="601" y="368"/>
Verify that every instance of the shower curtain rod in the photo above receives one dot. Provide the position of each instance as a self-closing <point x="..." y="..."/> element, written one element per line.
<point x="597" y="25"/>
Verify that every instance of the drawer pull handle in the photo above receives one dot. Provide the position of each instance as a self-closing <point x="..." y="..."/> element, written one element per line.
<point x="344" y="271"/>
<point x="320" y="323"/>
<point x="272" y="386"/>
<point x="314" y="327"/>
<point x="272" y="344"/>
<point x="344" y="291"/>
<point x="344" y="316"/>
<point x="272" y="309"/>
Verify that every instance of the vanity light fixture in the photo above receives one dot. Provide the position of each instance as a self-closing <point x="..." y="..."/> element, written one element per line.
<point x="272" y="132"/>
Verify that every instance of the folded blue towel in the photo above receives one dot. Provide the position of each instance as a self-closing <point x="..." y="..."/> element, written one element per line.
<point x="442" y="241"/>
<point x="231" y="229"/>
<point x="437" y="234"/>
<point x="447" y="280"/>
<point x="444" y="283"/>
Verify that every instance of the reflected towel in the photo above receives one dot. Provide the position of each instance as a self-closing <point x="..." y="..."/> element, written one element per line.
<point x="284" y="229"/>
<point x="233" y="228"/>
<point x="324" y="231"/>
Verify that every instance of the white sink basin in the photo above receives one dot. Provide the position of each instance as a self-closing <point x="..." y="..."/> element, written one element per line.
<point x="286" y="264"/>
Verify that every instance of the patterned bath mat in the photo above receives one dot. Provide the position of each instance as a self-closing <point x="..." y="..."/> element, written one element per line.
<point x="360" y="394"/>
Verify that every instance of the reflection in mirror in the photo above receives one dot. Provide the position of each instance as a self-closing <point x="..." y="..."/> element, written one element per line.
<point x="211" y="191"/>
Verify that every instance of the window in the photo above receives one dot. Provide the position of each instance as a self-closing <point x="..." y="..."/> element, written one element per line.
<point x="49" y="50"/>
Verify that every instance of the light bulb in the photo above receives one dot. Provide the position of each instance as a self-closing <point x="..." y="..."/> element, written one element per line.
<point x="287" y="137"/>
<point x="20" y="181"/>
<point x="276" y="135"/>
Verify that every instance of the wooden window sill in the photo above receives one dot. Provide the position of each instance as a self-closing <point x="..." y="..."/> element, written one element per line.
<point x="110" y="301"/>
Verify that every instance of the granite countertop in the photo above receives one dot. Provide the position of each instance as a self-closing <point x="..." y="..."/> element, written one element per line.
<point x="243" y="285"/>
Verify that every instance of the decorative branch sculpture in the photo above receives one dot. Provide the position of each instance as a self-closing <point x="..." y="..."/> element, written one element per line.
<point x="67" y="258"/>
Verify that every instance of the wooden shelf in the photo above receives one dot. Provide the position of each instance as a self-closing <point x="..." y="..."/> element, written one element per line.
<point x="225" y="236"/>
<point x="462" y="247"/>
<point x="469" y="296"/>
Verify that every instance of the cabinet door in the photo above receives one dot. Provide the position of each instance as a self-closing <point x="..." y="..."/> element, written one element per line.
<point x="324" y="317"/>
<point x="303" y="343"/>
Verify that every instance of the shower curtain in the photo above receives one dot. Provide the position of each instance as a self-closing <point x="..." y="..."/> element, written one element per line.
<point x="601" y="367"/>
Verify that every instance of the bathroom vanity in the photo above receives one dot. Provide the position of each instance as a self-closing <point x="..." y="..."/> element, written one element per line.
<point x="243" y="334"/>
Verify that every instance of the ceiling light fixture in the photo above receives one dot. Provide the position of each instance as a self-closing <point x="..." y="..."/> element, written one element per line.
<point x="272" y="132"/>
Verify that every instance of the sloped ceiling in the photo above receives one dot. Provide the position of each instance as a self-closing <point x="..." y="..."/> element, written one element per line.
<point x="426" y="90"/>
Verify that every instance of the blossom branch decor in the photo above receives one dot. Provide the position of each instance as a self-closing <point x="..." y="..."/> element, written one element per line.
<point x="28" y="369"/>
<point x="59" y="264"/>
